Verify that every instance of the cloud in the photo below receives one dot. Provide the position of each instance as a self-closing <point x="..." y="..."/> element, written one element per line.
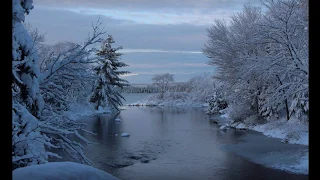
<point x="168" y="6"/>
<point x="157" y="36"/>
<point x="200" y="12"/>
<point x="63" y="25"/>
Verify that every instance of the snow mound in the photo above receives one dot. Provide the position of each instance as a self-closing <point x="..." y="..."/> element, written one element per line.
<point x="241" y="126"/>
<point x="61" y="171"/>
<point x="238" y="125"/>
<point x="125" y="135"/>
<point x="118" y="120"/>
<point x="292" y="131"/>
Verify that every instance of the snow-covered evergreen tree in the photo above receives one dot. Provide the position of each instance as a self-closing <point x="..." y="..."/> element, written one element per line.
<point x="104" y="91"/>
<point x="28" y="143"/>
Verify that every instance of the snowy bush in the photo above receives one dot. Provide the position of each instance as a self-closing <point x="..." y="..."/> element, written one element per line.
<point x="253" y="120"/>
<point x="216" y="104"/>
<point x="240" y="112"/>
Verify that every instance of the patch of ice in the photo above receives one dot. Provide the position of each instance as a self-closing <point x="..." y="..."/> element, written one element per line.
<point x="301" y="167"/>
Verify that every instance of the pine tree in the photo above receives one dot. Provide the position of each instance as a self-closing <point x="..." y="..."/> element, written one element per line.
<point x="105" y="91"/>
<point x="27" y="103"/>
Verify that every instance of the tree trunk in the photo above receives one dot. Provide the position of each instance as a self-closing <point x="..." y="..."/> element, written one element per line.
<point x="286" y="102"/>
<point x="98" y="104"/>
<point x="287" y="109"/>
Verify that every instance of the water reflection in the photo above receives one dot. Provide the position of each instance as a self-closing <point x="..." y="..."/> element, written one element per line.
<point x="170" y="143"/>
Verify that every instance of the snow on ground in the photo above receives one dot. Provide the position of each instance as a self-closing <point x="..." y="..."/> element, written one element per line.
<point x="177" y="99"/>
<point x="302" y="167"/>
<point x="294" y="131"/>
<point x="78" y="110"/>
<point x="61" y="171"/>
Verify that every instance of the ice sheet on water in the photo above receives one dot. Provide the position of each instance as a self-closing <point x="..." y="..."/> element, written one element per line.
<point x="271" y="152"/>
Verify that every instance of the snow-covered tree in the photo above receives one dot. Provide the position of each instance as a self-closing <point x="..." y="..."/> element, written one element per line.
<point x="104" y="91"/>
<point x="28" y="143"/>
<point x="36" y="125"/>
<point x="64" y="65"/>
<point x="162" y="81"/>
<point x="69" y="82"/>
<point x="262" y="58"/>
<point x="285" y="30"/>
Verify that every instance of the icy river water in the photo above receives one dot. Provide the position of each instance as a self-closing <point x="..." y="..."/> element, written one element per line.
<point x="184" y="143"/>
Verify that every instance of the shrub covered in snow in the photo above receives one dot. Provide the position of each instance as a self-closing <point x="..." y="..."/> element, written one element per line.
<point x="240" y="113"/>
<point x="216" y="104"/>
<point x="254" y="119"/>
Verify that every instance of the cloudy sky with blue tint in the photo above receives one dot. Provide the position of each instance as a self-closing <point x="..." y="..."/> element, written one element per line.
<point x="157" y="36"/>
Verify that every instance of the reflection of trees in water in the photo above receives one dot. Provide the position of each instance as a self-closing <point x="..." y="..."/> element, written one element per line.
<point x="171" y="110"/>
<point x="105" y="128"/>
<point x="97" y="128"/>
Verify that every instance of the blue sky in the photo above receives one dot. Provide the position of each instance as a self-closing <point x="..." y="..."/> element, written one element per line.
<point x="157" y="36"/>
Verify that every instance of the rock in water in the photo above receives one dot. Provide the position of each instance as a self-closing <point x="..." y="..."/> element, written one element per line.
<point x="117" y="120"/>
<point x="223" y="127"/>
<point x="125" y="135"/>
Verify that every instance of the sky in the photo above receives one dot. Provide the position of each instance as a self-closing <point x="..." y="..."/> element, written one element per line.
<point x="157" y="37"/>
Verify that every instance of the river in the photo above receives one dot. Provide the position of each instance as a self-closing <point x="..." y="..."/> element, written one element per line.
<point x="179" y="143"/>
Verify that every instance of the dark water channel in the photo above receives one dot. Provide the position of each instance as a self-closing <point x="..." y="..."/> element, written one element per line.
<point x="171" y="143"/>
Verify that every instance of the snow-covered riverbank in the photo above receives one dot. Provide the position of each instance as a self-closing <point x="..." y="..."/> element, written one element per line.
<point x="78" y="110"/>
<point x="292" y="131"/>
<point x="178" y="99"/>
